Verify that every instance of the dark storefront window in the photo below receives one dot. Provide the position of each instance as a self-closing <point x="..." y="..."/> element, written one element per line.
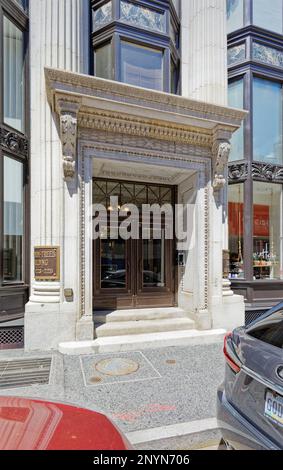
<point x="267" y="231"/>
<point x="236" y="230"/>
<point x="267" y="121"/>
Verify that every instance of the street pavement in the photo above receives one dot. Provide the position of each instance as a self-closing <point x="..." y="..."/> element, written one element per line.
<point x="160" y="389"/>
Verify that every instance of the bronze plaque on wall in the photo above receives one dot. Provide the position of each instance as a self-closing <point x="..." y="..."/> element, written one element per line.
<point x="47" y="263"/>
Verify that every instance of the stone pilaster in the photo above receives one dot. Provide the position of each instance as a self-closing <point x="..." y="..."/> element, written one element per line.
<point x="204" y="78"/>
<point x="204" y="58"/>
<point x="58" y="38"/>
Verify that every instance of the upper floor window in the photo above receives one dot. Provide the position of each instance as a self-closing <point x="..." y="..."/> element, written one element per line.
<point x="141" y="66"/>
<point x="13" y="79"/>
<point x="235" y="14"/>
<point x="267" y="121"/>
<point x="268" y="15"/>
<point x="236" y="100"/>
<point x="137" y="42"/>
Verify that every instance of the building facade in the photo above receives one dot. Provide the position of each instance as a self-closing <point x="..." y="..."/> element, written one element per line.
<point x="14" y="170"/>
<point x="128" y="99"/>
<point x="255" y="48"/>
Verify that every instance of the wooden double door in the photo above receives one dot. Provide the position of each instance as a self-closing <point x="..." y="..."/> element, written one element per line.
<point x="134" y="273"/>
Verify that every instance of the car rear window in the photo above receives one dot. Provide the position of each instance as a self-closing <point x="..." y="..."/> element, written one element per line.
<point x="270" y="330"/>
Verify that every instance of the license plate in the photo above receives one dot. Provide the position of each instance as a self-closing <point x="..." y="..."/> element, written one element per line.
<point x="274" y="408"/>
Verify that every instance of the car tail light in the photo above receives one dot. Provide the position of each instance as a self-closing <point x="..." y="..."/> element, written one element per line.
<point x="230" y="355"/>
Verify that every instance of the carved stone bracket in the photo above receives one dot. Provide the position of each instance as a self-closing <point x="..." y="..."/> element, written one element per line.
<point x="68" y="128"/>
<point x="267" y="172"/>
<point x="237" y="173"/>
<point x="13" y="142"/>
<point x="220" y="151"/>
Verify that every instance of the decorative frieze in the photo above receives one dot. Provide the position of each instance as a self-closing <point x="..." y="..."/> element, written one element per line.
<point x="267" y="55"/>
<point x="123" y="124"/>
<point x="267" y="172"/>
<point x="236" y="54"/>
<point x="220" y="151"/>
<point x="237" y="173"/>
<point x="13" y="142"/>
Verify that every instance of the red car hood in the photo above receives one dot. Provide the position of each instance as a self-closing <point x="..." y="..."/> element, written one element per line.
<point x="27" y="424"/>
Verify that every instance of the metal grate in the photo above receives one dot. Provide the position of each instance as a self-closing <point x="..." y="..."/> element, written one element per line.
<point x="252" y="315"/>
<point x="12" y="337"/>
<point x="23" y="372"/>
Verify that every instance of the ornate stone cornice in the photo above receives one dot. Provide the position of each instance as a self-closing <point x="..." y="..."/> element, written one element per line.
<point x="267" y="172"/>
<point x="124" y="124"/>
<point x="89" y="85"/>
<point x="237" y="173"/>
<point x="13" y="142"/>
<point x="220" y="151"/>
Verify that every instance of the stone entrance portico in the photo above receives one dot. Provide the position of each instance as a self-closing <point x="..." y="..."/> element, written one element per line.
<point x="131" y="131"/>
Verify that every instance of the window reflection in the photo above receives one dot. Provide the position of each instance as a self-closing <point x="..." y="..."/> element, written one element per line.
<point x="103" y="61"/>
<point x="267" y="121"/>
<point x="236" y="230"/>
<point x="236" y="100"/>
<point x="267" y="231"/>
<point x="268" y="15"/>
<point x="13" y="220"/>
<point x="154" y="262"/>
<point x="141" y="66"/>
<point x="235" y="15"/>
<point x="113" y="264"/>
<point x="13" y="62"/>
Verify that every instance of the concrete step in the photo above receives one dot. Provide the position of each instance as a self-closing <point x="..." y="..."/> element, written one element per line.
<point x="143" y="341"/>
<point x="138" y="314"/>
<point x="143" y="326"/>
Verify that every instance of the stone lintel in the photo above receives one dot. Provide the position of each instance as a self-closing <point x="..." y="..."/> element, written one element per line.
<point x="135" y="110"/>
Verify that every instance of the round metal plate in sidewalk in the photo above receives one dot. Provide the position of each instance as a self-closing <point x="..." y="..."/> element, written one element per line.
<point x="117" y="366"/>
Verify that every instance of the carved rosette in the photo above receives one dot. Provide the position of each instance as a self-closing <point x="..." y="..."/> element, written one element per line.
<point x="13" y="142"/>
<point x="68" y="126"/>
<point x="220" y="151"/>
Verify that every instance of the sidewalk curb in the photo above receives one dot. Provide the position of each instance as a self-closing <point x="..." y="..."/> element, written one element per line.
<point x="185" y="435"/>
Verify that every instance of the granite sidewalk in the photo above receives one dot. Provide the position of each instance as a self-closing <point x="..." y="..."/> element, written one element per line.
<point x="162" y="392"/>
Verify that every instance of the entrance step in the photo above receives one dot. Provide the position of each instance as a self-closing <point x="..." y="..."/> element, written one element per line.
<point x="143" y="326"/>
<point x="139" y="342"/>
<point x="138" y="314"/>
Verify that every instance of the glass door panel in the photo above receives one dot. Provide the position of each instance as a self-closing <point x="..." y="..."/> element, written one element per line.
<point x="154" y="263"/>
<point x="113" y="270"/>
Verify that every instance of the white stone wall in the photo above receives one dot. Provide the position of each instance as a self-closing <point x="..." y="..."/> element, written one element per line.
<point x="204" y="50"/>
<point x="204" y="78"/>
<point x="59" y="36"/>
